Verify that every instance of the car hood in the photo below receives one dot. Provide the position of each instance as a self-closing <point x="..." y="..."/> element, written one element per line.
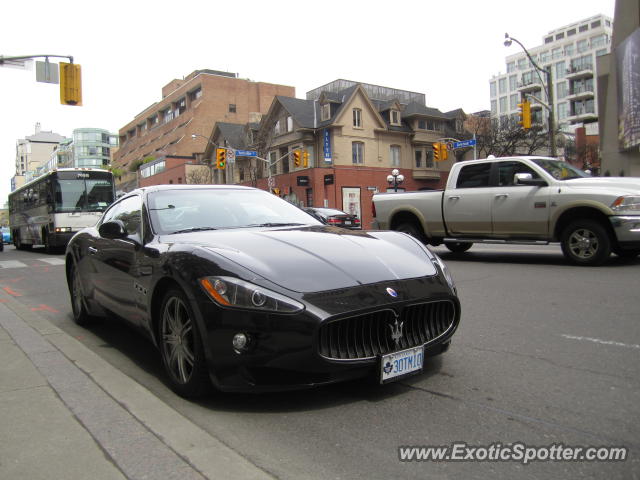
<point x="623" y="184"/>
<point x="317" y="258"/>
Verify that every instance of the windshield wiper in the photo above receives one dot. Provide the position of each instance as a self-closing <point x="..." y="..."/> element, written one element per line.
<point x="272" y="224"/>
<point x="193" y="229"/>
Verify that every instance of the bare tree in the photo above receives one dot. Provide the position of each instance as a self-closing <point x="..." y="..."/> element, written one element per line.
<point x="199" y="176"/>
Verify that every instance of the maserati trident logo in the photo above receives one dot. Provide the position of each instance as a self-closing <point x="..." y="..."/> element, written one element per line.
<point x="396" y="332"/>
<point x="392" y="292"/>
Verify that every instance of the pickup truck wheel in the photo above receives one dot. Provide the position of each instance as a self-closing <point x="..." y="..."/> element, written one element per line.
<point x="458" y="247"/>
<point x="586" y="242"/>
<point x="410" y="229"/>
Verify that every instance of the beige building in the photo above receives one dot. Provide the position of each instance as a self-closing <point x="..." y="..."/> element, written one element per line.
<point x="190" y="106"/>
<point x="33" y="152"/>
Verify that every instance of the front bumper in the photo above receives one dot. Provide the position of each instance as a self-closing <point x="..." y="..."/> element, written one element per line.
<point x="627" y="231"/>
<point x="285" y="348"/>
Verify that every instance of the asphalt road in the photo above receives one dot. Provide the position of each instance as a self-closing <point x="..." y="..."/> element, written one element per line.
<point x="546" y="353"/>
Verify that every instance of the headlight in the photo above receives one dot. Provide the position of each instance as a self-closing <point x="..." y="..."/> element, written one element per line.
<point x="235" y="293"/>
<point x="627" y="204"/>
<point x="445" y="271"/>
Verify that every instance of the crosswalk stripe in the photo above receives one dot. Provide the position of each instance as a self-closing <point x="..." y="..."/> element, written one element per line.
<point x="52" y="261"/>
<point x="12" y="264"/>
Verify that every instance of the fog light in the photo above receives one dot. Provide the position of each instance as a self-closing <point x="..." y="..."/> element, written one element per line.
<point x="240" y="342"/>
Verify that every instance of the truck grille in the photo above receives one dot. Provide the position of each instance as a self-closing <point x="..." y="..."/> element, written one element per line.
<point x="369" y="335"/>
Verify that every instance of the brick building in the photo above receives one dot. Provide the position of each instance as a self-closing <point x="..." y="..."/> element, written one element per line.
<point x="190" y="106"/>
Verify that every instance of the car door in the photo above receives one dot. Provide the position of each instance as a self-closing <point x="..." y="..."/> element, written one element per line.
<point x="116" y="262"/>
<point x="518" y="210"/>
<point x="467" y="207"/>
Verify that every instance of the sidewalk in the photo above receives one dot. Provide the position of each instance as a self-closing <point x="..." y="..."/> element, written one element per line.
<point x="66" y="413"/>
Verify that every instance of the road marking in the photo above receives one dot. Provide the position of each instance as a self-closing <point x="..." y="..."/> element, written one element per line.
<point x="12" y="264"/>
<point x="11" y="292"/>
<point x="44" y="307"/>
<point x="602" y="342"/>
<point x="52" y="261"/>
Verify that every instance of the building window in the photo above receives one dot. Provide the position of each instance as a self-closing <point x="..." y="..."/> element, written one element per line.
<point x="598" y="41"/>
<point x="568" y="50"/>
<point x="595" y="24"/>
<point x="357" y="152"/>
<point x="559" y="36"/>
<point x="179" y="107"/>
<point x="195" y="94"/>
<point x="418" y="158"/>
<point x="583" y="28"/>
<point x="428" y="158"/>
<point x="513" y="82"/>
<point x="583" y="46"/>
<point x="276" y="128"/>
<point x="422" y="124"/>
<point x="289" y="123"/>
<point x="522" y="64"/>
<point x="571" y="32"/>
<point x="492" y="89"/>
<point x="548" y="40"/>
<point x="561" y="71"/>
<point x="511" y="67"/>
<point x="513" y="101"/>
<point x="556" y="53"/>
<point x="395" y="117"/>
<point x="494" y="107"/>
<point x="167" y="115"/>
<point x="502" y="85"/>
<point x="394" y="154"/>
<point x="326" y="112"/>
<point x="561" y="90"/>
<point x="357" y="118"/>
<point x="232" y="108"/>
<point x="503" y="104"/>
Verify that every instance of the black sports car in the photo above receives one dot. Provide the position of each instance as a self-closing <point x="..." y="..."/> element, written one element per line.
<point x="241" y="290"/>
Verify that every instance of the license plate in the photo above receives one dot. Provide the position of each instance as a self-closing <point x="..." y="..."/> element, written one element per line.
<point x="347" y="222"/>
<point x="399" y="364"/>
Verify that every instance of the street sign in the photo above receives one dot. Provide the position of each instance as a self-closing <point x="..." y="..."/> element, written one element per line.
<point x="271" y="182"/>
<point x="231" y="156"/>
<point x="464" y="143"/>
<point x="246" y="153"/>
<point x="47" y="72"/>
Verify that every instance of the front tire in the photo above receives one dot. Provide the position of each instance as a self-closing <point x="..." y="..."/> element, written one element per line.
<point x="586" y="242"/>
<point x="181" y="347"/>
<point x="78" y="301"/>
<point x="458" y="247"/>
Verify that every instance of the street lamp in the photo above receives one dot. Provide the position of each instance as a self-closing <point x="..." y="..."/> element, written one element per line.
<point x="549" y="91"/>
<point x="395" y="179"/>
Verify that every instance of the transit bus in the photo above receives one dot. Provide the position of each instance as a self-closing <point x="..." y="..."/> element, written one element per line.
<point x="51" y="208"/>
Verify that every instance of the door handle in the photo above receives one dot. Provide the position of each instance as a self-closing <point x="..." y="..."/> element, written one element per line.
<point x="502" y="195"/>
<point x="92" y="250"/>
<point x="454" y="197"/>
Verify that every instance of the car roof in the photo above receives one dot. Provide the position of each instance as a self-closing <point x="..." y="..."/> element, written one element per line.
<point x="165" y="187"/>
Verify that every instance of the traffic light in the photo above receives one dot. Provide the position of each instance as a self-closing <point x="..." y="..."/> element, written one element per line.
<point x="221" y="158"/>
<point x="440" y="153"/>
<point x="296" y="158"/>
<point x="70" y="84"/>
<point x="525" y="114"/>
<point x="305" y="159"/>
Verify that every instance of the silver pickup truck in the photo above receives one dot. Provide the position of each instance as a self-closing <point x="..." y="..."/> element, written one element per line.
<point x="530" y="200"/>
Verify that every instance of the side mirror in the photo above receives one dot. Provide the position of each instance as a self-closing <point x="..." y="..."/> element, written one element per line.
<point x="527" y="179"/>
<point x="113" y="229"/>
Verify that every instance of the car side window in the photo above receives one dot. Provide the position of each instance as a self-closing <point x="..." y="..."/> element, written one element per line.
<point x="130" y="213"/>
<point x="507" y="171"/>
<point x="474" y="176"/>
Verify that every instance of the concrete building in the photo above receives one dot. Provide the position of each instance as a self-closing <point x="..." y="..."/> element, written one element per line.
<point x="190" y="106"/>
<point x="355" y="134"/>
<point x="619" y="94"/>
<point x="571" y="51"/>
<point x="32" y="153"/>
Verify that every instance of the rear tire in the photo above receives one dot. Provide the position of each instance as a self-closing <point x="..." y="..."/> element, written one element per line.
<point x="586" y="242"/>
<point x="181" y="347"/>
<point x="410" y="229"/>
<point x="458" y="247"/>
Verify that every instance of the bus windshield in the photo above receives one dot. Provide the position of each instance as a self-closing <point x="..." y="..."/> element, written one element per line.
<point x="82" y="195"/>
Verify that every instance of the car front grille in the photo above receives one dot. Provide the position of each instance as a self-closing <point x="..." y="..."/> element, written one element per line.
<point x="369" y="335"/>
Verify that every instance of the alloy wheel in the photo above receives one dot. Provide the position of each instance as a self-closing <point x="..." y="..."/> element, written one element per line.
<point x="583" y="243"/>
<point x="178" y="340"/>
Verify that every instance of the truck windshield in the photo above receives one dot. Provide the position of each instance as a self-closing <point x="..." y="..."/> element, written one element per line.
<point x="559" y="170"/>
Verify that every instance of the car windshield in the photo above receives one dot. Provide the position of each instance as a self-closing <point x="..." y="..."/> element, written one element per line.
<point x="559" y="170"/>
<point x="183" y="210"/>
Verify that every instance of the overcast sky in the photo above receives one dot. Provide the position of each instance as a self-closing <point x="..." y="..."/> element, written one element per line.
<point x="129" y="50"/>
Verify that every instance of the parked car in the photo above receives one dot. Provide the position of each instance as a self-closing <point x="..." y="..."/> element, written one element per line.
<point x="242" y="290"/>
<point x="521" y="200"/>
<point x="334" y="217"/>
<point x="6" y="235"/>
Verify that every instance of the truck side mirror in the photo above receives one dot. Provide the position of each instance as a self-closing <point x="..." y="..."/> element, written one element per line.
<point x="527" y="179"/>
